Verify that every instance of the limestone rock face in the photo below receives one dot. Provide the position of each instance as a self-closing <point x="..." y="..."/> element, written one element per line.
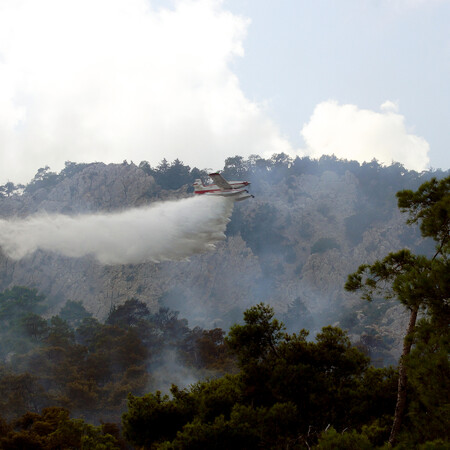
<point x="293" y="244"/>
<point x="98" y="187"/>
<point x="212" y="289"/>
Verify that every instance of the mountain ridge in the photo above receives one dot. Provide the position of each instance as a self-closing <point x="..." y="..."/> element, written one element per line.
<point x="311" y="224"/>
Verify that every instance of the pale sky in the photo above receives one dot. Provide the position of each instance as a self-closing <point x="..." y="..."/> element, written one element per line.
<point x="202" y="80"/>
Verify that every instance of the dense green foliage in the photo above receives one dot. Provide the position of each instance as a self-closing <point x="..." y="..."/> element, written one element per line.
<point x="54" y="429"/>
<point x="281" y="390"/>
<point x="173" y="175"/>
<point x="420" y="284"/>
<point x="287" y="391"/>
<point x="290" y="390"/>
<point x="74" y="361"/>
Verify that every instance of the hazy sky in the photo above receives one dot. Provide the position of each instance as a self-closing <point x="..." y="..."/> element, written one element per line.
<point x="201" y="80"/>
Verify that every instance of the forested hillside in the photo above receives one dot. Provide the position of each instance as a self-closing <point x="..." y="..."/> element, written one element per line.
<point x="311" y="223"/>
<point x="91" y="341"/>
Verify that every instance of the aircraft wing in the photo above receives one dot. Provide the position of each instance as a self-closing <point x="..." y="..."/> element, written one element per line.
<point x="220" y="181"/>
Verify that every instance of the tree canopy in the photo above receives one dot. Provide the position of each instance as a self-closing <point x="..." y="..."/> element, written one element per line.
<point x="420" y="283"/>
<point x="287" y="391"/>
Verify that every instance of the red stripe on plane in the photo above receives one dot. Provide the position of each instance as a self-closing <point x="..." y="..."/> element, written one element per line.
<point x="208" y="190"/>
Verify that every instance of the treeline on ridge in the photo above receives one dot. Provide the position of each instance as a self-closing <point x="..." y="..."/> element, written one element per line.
<point x="376" y="179"/>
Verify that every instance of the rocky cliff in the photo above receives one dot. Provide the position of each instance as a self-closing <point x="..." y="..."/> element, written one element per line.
<point x="292" y="246"/>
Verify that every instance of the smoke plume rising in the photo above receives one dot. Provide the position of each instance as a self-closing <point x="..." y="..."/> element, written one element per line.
<point x="172" y="230"/>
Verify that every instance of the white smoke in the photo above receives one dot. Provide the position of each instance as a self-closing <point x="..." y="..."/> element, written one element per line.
<point x="172" y="230"/>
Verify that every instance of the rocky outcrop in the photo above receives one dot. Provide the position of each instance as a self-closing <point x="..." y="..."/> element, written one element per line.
<point x="98" y="187"/>
<point x="290" y="242"/>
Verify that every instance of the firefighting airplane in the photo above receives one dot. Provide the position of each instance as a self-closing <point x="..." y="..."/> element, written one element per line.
<point x="235" y="189"/>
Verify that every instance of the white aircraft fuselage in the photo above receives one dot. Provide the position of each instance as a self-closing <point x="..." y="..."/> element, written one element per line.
<point x="223" y="188"/>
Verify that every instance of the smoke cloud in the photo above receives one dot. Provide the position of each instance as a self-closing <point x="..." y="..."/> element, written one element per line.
<point x="172" y="230"/>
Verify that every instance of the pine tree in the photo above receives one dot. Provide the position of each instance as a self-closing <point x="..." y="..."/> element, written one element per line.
<point x="418" y="282"/>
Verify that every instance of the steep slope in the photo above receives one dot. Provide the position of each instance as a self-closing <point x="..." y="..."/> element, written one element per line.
<point x="310" y="225"/>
